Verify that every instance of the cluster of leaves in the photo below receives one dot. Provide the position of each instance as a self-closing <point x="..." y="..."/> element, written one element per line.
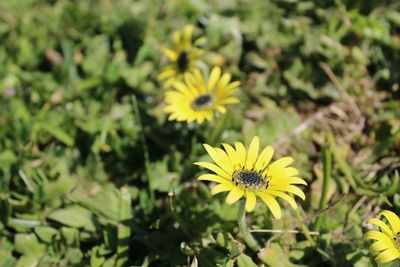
<point x="93" y="174"/>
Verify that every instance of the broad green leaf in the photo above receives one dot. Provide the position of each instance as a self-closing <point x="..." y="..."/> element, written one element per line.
<point x="274" y="256"/>
<point x="245" y="261"/>
<point x="74" y="216"/>
<point x="59" y="134"/>
<point x="29" y="245"/>
<point x="46" y="233"/>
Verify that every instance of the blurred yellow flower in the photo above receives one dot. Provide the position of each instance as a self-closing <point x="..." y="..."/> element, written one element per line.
<point x="196" y="99"/>
<point x="249" y="174"/>
<point x="183" y="57"/>
<point x="387" y="242"/>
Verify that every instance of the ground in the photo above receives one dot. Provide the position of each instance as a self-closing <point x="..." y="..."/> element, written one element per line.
<point x="92" y="172"/>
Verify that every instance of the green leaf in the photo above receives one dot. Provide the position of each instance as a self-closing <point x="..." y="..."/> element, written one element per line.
<point x="7" y="158"/>
<point x="70" y="235"/>
<point x="245" y="261"/>
<point x="105" y="203"/>
<point x="57" y="189"/>
<point x="46" y="233"/>
<point x="96" y="260"/>
<point x="29" y="245"/>
<point x="274" y="256"/>
<point x="5" y="209"/>
<point x="59" y="134"/>
<point x="74" y="255"/>
<point x="74" y="216"/>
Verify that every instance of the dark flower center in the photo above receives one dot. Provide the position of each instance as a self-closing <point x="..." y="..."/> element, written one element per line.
<point x="396" y="239"/>
<point x="250" y="179"/>
<point x="183" y="61"/>
<point x="202" y="102"/>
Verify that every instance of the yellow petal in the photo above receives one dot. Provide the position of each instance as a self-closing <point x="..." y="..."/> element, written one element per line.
<point x="264" y="158"/>
<point x="209" y="115"/>
<point x="230" y="89"/>
<point x="393" y="220"/>
<point x="170" y="54"/>
<point x="376" y="235"/>
<point x="198" y="76"/>
<point x="234" y="196"/>
<point x="200" y="118"/>
<point x="250" y="201"/>
<point x="241" y="153"/>
<point x="180" y="86"/>
<point x="253" y="152"/>
<point x="221" y="188"/>
<point x="272" y="204"/>
<point x="165" y="74"/>
<point x="223" y="82"/>
<point x="221" y="109"/>
<point x="170" y="81"/>
<point x="187" y="36"/>
<point x="219" y="158"/>
<point x="213" y="78"/>
<point x="231" y="154"/>
<point x="229" y="100"/>
<point x="290" y="171"/>
<point x="200" y="41"/>
<point x="286" y="180"/>
<point x="213" y="178"/>
<point x="289" y="188"/>
<point x="388" y="255"/>
<point x="214" y="168"/>
<point x="284" y="196"/>
<point x="296" y="180"/>
<point x="176" y="37"/>
<point x="189" y="78"/>
<point x="381" y="225"/>
<point x="379" y="246"/>
<point x="172" y="117"/>
<point x="280" y="164"/>
<point x="229" y="167"/>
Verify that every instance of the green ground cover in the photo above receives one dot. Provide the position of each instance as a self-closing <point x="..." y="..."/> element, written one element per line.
<point x="92" y="173"/>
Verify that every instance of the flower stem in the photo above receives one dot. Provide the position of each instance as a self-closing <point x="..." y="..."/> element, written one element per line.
<point x="327" y="166"/>
<point x="304" y="228"/>
<point x="146" y="155"/>
<point x="218" y="129"/>
<point x="247" y="236"/>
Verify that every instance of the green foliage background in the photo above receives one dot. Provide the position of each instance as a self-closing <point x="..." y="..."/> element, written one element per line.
<point x="93" y="174"/>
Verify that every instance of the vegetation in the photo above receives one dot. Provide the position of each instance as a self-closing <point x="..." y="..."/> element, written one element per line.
<point x="92" y="172"/>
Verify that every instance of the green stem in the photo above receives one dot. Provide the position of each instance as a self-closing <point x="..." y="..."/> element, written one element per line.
<point x="217" y="130"/>
<point x="304" y="228"/>
<point x="145" y="152"/>
<point x="247" y="236"/>
<point x="176" y="215"/>
<point x="342" y="164"/>
<point x="327" y="166"/>
<point x="124" y="231"/>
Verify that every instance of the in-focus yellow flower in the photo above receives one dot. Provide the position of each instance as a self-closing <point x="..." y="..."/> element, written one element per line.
<point x="249" y="174"/>
<point x="183" y="57"/>
<point x="387" y="242"/>
<point x="196" y="99"/>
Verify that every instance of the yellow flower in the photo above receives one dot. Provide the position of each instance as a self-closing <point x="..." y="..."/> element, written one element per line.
<point x="388" y="239"/>
<point x="182" y="57"/>
<point x="250" y="175"/>
<point x="195" y="99"/>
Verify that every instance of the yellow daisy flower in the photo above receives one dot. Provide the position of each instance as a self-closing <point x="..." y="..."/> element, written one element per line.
<point x="250" y="175"/>
<point x="182" y="58"/>
<point x="387" y="239"/>
<point x="196" y="99"/>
